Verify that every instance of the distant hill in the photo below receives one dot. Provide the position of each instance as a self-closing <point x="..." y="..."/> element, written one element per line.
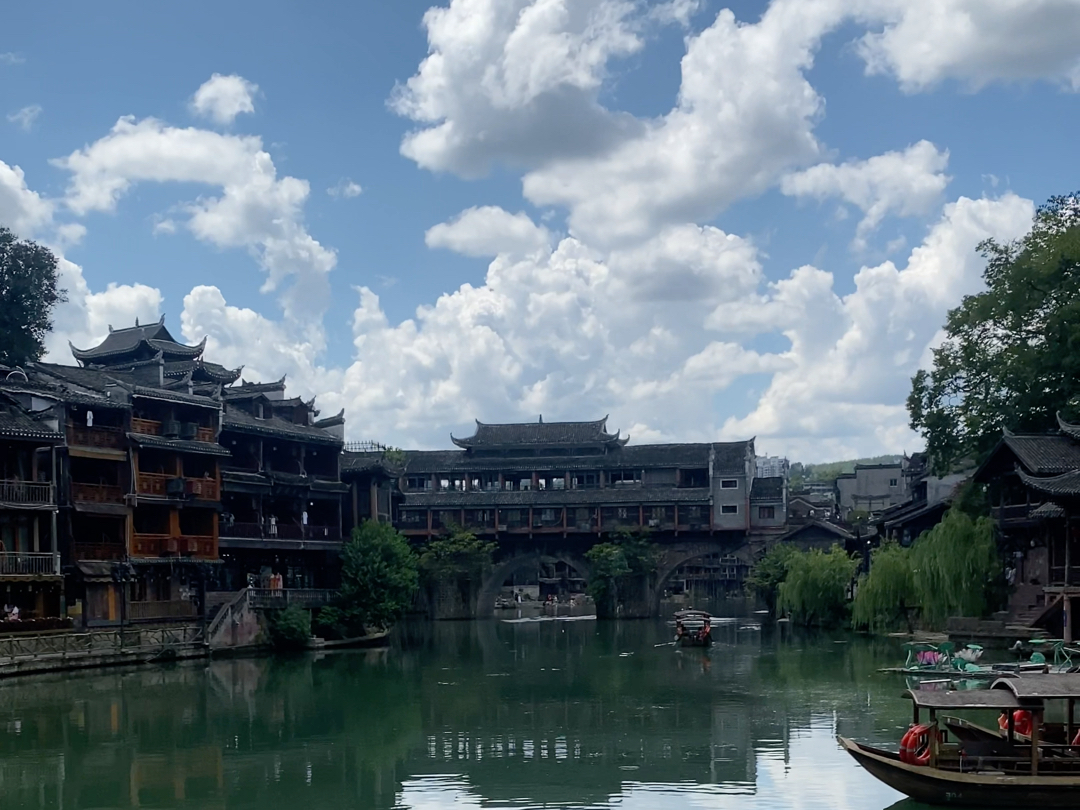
<point x="827" y="473"/>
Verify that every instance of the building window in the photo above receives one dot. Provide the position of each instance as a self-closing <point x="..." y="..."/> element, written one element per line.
<point x="548" y="515"/>
<point x="658" y="513"/>
<point x="418" y="482"/>
<point x="892" y="482"/>
<point x="694" y="513"/>
<point x="729" y="509"/>
<point x="729" y="483"/>
<point x="622" y="513"/>
<point x="766" y="512"/>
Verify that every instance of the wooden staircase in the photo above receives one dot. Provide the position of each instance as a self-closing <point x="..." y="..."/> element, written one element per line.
<point x="1028" y="605"/>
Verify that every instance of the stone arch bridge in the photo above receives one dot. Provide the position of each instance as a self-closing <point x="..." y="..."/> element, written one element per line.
<point x="674" y="553"/>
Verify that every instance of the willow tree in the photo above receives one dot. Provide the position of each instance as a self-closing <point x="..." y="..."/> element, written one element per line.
<point x="815" y="590"/>
<point x="952" y="570"/>
<point x="887" y="597"/>
<point x="955" y="567"/>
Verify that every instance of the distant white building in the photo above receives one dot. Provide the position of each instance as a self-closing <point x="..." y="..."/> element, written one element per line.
<point x="772" y="467"/>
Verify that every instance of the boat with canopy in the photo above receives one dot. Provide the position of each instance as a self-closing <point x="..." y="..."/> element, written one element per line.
<point x="1029" y="758"/>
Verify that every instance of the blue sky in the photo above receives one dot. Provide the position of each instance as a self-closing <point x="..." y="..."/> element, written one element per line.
<point x="709" y="223"/>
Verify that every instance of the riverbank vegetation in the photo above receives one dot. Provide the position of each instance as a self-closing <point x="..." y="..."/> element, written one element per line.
<point x="816" y="586"/>
<point x="379" y="578"/>
<point x="952" y="570"/>
<point x="619" y="567"/>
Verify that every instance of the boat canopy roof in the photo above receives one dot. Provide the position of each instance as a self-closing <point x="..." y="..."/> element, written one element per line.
<point x="963" y="699"/>
<point x="692" y="614"/>
<point x="1040" y="686"/>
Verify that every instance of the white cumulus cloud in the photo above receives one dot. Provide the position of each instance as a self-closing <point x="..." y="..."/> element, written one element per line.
<point x="489" y="231"/>
<point x="222" y="98"/>
<point x="345" y="188"/>
<point x="908" y="183"/>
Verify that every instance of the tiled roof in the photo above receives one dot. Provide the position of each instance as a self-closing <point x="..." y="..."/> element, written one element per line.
<point x="250" y="389"/>
<point x="148" y="392"/>
<point x="1068" y="428"/>
<point x="363" y="462"/>
<point x="200" y="370"/>
<point x="1043" y="455"/>
<point x="838" y="531"/>
<point x="124" y="341"/>
<point x="729" y="458"/>
<point x="1064" y="484"/>
<point x="15" y="423"/>
<point x="767" y="489"/>
<point x="241" y="421"/>
<point x="524" y="434"/>
<point x="180" y="445"/>
<point x="557" y="497"/>
<point x="1047" y="511"/>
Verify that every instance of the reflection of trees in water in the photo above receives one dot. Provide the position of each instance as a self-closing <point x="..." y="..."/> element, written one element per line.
<point x="553" y="712"/>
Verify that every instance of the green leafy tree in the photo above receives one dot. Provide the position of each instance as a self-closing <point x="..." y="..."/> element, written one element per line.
<point x="379" y="578"/>
<point x="768" y="572"/>
<point x="957" y="567"/>
<point x="953" y="569"/>
<point x="815" y="590"/>
<point x="459" y="554"/>
<point x="1011" y="354"/>
<point x="290" y="629"/>
<point x="627" y="556"/>
<point x="887" y="597"/>
<point x="29" y="289"/>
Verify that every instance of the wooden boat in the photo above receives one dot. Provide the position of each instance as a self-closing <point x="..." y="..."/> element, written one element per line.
<point x="376" y="639"/>
<point x="950" y="761"/>
<point x="693" y="628"/>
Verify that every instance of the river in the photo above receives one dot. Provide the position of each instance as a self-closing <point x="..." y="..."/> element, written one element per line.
<point x="487" y="714"/>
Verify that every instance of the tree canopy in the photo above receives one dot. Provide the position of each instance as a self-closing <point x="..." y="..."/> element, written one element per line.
<point x="29" y="290"/>
<point x="379" y="578"/>
<point x="815" y="589"/>
<point x="628" y="554"/>
<point x="1011" y="354"/>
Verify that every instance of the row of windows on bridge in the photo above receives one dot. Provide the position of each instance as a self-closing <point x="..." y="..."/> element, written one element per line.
<point x="655" y="515"/>
<point x="493" y="482"/>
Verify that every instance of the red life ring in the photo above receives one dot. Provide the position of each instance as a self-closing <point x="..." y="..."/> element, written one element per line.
<point x="915" y="745"/>
<point x="1022" y="722"/>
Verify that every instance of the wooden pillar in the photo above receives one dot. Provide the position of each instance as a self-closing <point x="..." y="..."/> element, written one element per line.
<point x="641" y="516"/>
<point x="535" y="482"/>
<point x="564" y="511"/>
<point x="502" y="481"/>
<point x="429" y="521"/>
<point x="434" y="483"/>
<point x="174" y="523"/>
<point x="37" y="538"/>
<point x="354" y="488"/>
<point x="676" y="518"/>
<point x="933" y="738"/>
<point x="1036" y="721"/>
<point x="566" y="480"/>
<point x="259" y="453"/>
<point x="373" y="500"/>
<point x="599" y="520"/>
<point x="1069" y="721"/>
<point x="1069" y="635"/>
<point x="603" y="480"/>
<point x="531" y="516"/>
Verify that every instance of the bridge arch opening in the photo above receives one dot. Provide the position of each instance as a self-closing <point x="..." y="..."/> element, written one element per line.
<point x="703" y="575"/>
<point x="534" y="575"/>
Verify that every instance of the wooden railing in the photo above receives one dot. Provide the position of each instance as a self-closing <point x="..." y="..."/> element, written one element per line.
<point x="145" y="426"/>
<point x="21" y="563"/>
<point x="96" y="493"/>
<point x="163" y="545"/>
<point x="171" y="609"/>
<point x="255" y="531"/>
<point x="98" y="551"/>
<point x="26" y="493"/>
<point x="205" y="434"/>
<point x="65" y="646"/>
<point x="280" y="598"/>
<point x="110" y="438"/>
<point x="203" y="489"/>
<point x="152" y="483"/>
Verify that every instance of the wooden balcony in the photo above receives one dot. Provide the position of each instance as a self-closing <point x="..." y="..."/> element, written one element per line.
<point x="109" y="438"/>
<point x="168" y="609"/>
<point x="151" y="427"/>
<point x="96" y="493"/>
<point x="22" y="564"/>
<point x="146" y="426"/>
<point x="158" y="484"/>
<point x="256" y="531"/>
<point x="164" y="545"/>
<point x="26" y="494"/>
<point x="98" y="551"/>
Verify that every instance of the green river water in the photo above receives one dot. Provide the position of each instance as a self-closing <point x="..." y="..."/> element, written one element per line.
<point x="486" y="714"/>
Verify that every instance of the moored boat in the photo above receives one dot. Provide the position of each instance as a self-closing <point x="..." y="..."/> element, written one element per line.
<point x="1025" y="762"/>
<point x="693" y="628"/>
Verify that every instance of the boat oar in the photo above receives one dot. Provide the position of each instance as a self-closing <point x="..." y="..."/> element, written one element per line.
<point x="665" y="644"/>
